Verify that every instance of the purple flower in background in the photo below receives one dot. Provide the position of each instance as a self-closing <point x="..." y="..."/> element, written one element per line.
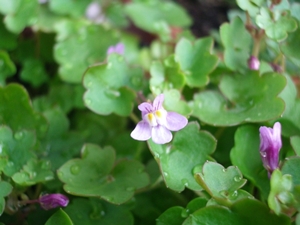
<point x="270" y="145"/>
<point x="118" y="48"/>
<point x="94" y="12"/>
<point x="253" y="63"/>
<point x="157" y="122"/>
<point x="51" y="201"/>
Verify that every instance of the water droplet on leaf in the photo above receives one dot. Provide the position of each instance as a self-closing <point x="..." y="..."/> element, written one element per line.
<point x="112" y="93"/>
<point x="224" y="193"/>
<point x="185" y="213"/>
<point x="18" y="135"/>
<point x="166" y="174"/>
<point x="88" y="101"/>
<point x="75" y="169"/>
<point x="185" y="182"/>
<point x="237" y="178"/>
<point x="130" y="189"/>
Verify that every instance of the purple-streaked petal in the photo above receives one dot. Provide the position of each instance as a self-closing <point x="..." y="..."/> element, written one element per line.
<point x="158" y="101"/>
<point x="161" y="135"/>
<point x="119" y="48"/>
<point x="141" y="132"/>
<point x="52" y="201"/>
<point x="270" y="145"/>
<point x="145" y="107"/>
<point x="175" y="121"/>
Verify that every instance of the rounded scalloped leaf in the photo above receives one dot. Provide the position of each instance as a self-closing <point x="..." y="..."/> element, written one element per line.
<point x="196" y="60"/>
<point x="16" y="149"/>
<point x="189" y="149"/>
<point x="34" y="172"/>
<point x="60" y="217"/>
<point x="34" y="72"/>
<point x="69" y="7"/>
<point x="251" y="6"/>
<point x="97" y="174"/>
<point x="168" y="13"/>
<point x="236" y="52"/>
<point x="276" y="29"/>
<point x="241" y="212"/>
<point x="220" y="182"/>
<point x="78" y="46"/>
<point x="16" y="110"/>
<point x="109" y="86"/>
<point x="19" y="13"/>
<point x="5" y="189"/>
<point x="252" y="98"/>
<point x="95" y="211"/>
<point x="166" y="75"/>
<point x="245" y="155"/>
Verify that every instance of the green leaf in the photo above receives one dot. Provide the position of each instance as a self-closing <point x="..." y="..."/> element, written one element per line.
<point x="34" y="72"/>
<point x="107" y="87"/>
<point x="196" y="60"/>
<point x="179" y="160"/>
<point x="295" y="142"/>
<point x="252" y="98"/>
<point x="245" y="154"/>
<point x="78" y="47"/>
<point x="174" y="103"/>
<point x="166" y="75"/>
<point x="95" y="211"/>
<point x="251" y="6"/>
<point x="292" y="43"/>
<point x="176" y="215"/>
<point x="60" y="217"/>
<point x="241" y="212"/>
<point x="276" y="24"/>
<point x="16" y="110"/>
<point x="69" y="7"/>
<point x="280" y="195"/>
<point x="34" y="172"/>
<point x="5" y="189"/>
<point x="219" y="182"/>
<point x="7" y="67"/>
<point x="236" y="52"/>
<point x="291" y="166"/>
<point x="97" y="174"/>
<point x="19" y="14"/>
<point x="158" y="13"/>
<point x="16" y="149"/>
<point x="290" y="120"/>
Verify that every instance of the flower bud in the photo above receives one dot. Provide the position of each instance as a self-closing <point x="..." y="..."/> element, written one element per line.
<point x="253" y="63"/>
<point x="51" y="201"/>
<point x="270" y="145"/>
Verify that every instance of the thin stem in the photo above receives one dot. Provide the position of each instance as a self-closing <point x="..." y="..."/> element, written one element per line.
<point x="134" y="118"/>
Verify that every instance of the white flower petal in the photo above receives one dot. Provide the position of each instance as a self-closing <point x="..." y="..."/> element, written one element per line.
<point x="161" y="135"/>
<point x="141" y="132"/>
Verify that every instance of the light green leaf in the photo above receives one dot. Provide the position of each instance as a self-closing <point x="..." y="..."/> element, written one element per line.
<point x="97" y="174"/>
<point x="59" y="218"/>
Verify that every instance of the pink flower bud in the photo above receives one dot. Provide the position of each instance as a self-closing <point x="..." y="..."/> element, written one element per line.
<point x="51" y="201"/>
<point x="253" y="63"/>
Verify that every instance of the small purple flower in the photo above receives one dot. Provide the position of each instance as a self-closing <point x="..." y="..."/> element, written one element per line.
<point x="157" y="122"/>
<point x="270" y="145"/>
<point x="94" y="13"/>
<point x="51" y="201"/>
<point x="118" y="48"/>
<point x="253" y="63"/>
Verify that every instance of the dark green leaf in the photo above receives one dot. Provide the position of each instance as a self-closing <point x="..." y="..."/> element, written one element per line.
<point x="60" y="217"/>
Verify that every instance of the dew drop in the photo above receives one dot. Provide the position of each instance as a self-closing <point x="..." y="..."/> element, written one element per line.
<point x="224" y="170"/>
<point x="10" y="164"/>
<point x="156" y="155"/>
<point x="166" y="174"/>
<point x="60" y="174"/>
<point x="112" y="93"/>
<point x="234" y="195"/>
<point x="185" y="182"/>
<point x="88" y="101"/>
<point x="130" y="189"/>
<point x="49" y="178"/>
<point x="237" y="178"/>
<point x="18" y="135"/>
<point x="185" y="213"/>
<point x="263" y="154"/>
<point x="75" y="169"/>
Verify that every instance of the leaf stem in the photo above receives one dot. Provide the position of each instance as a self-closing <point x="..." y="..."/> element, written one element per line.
<point x="134" y="118"/>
